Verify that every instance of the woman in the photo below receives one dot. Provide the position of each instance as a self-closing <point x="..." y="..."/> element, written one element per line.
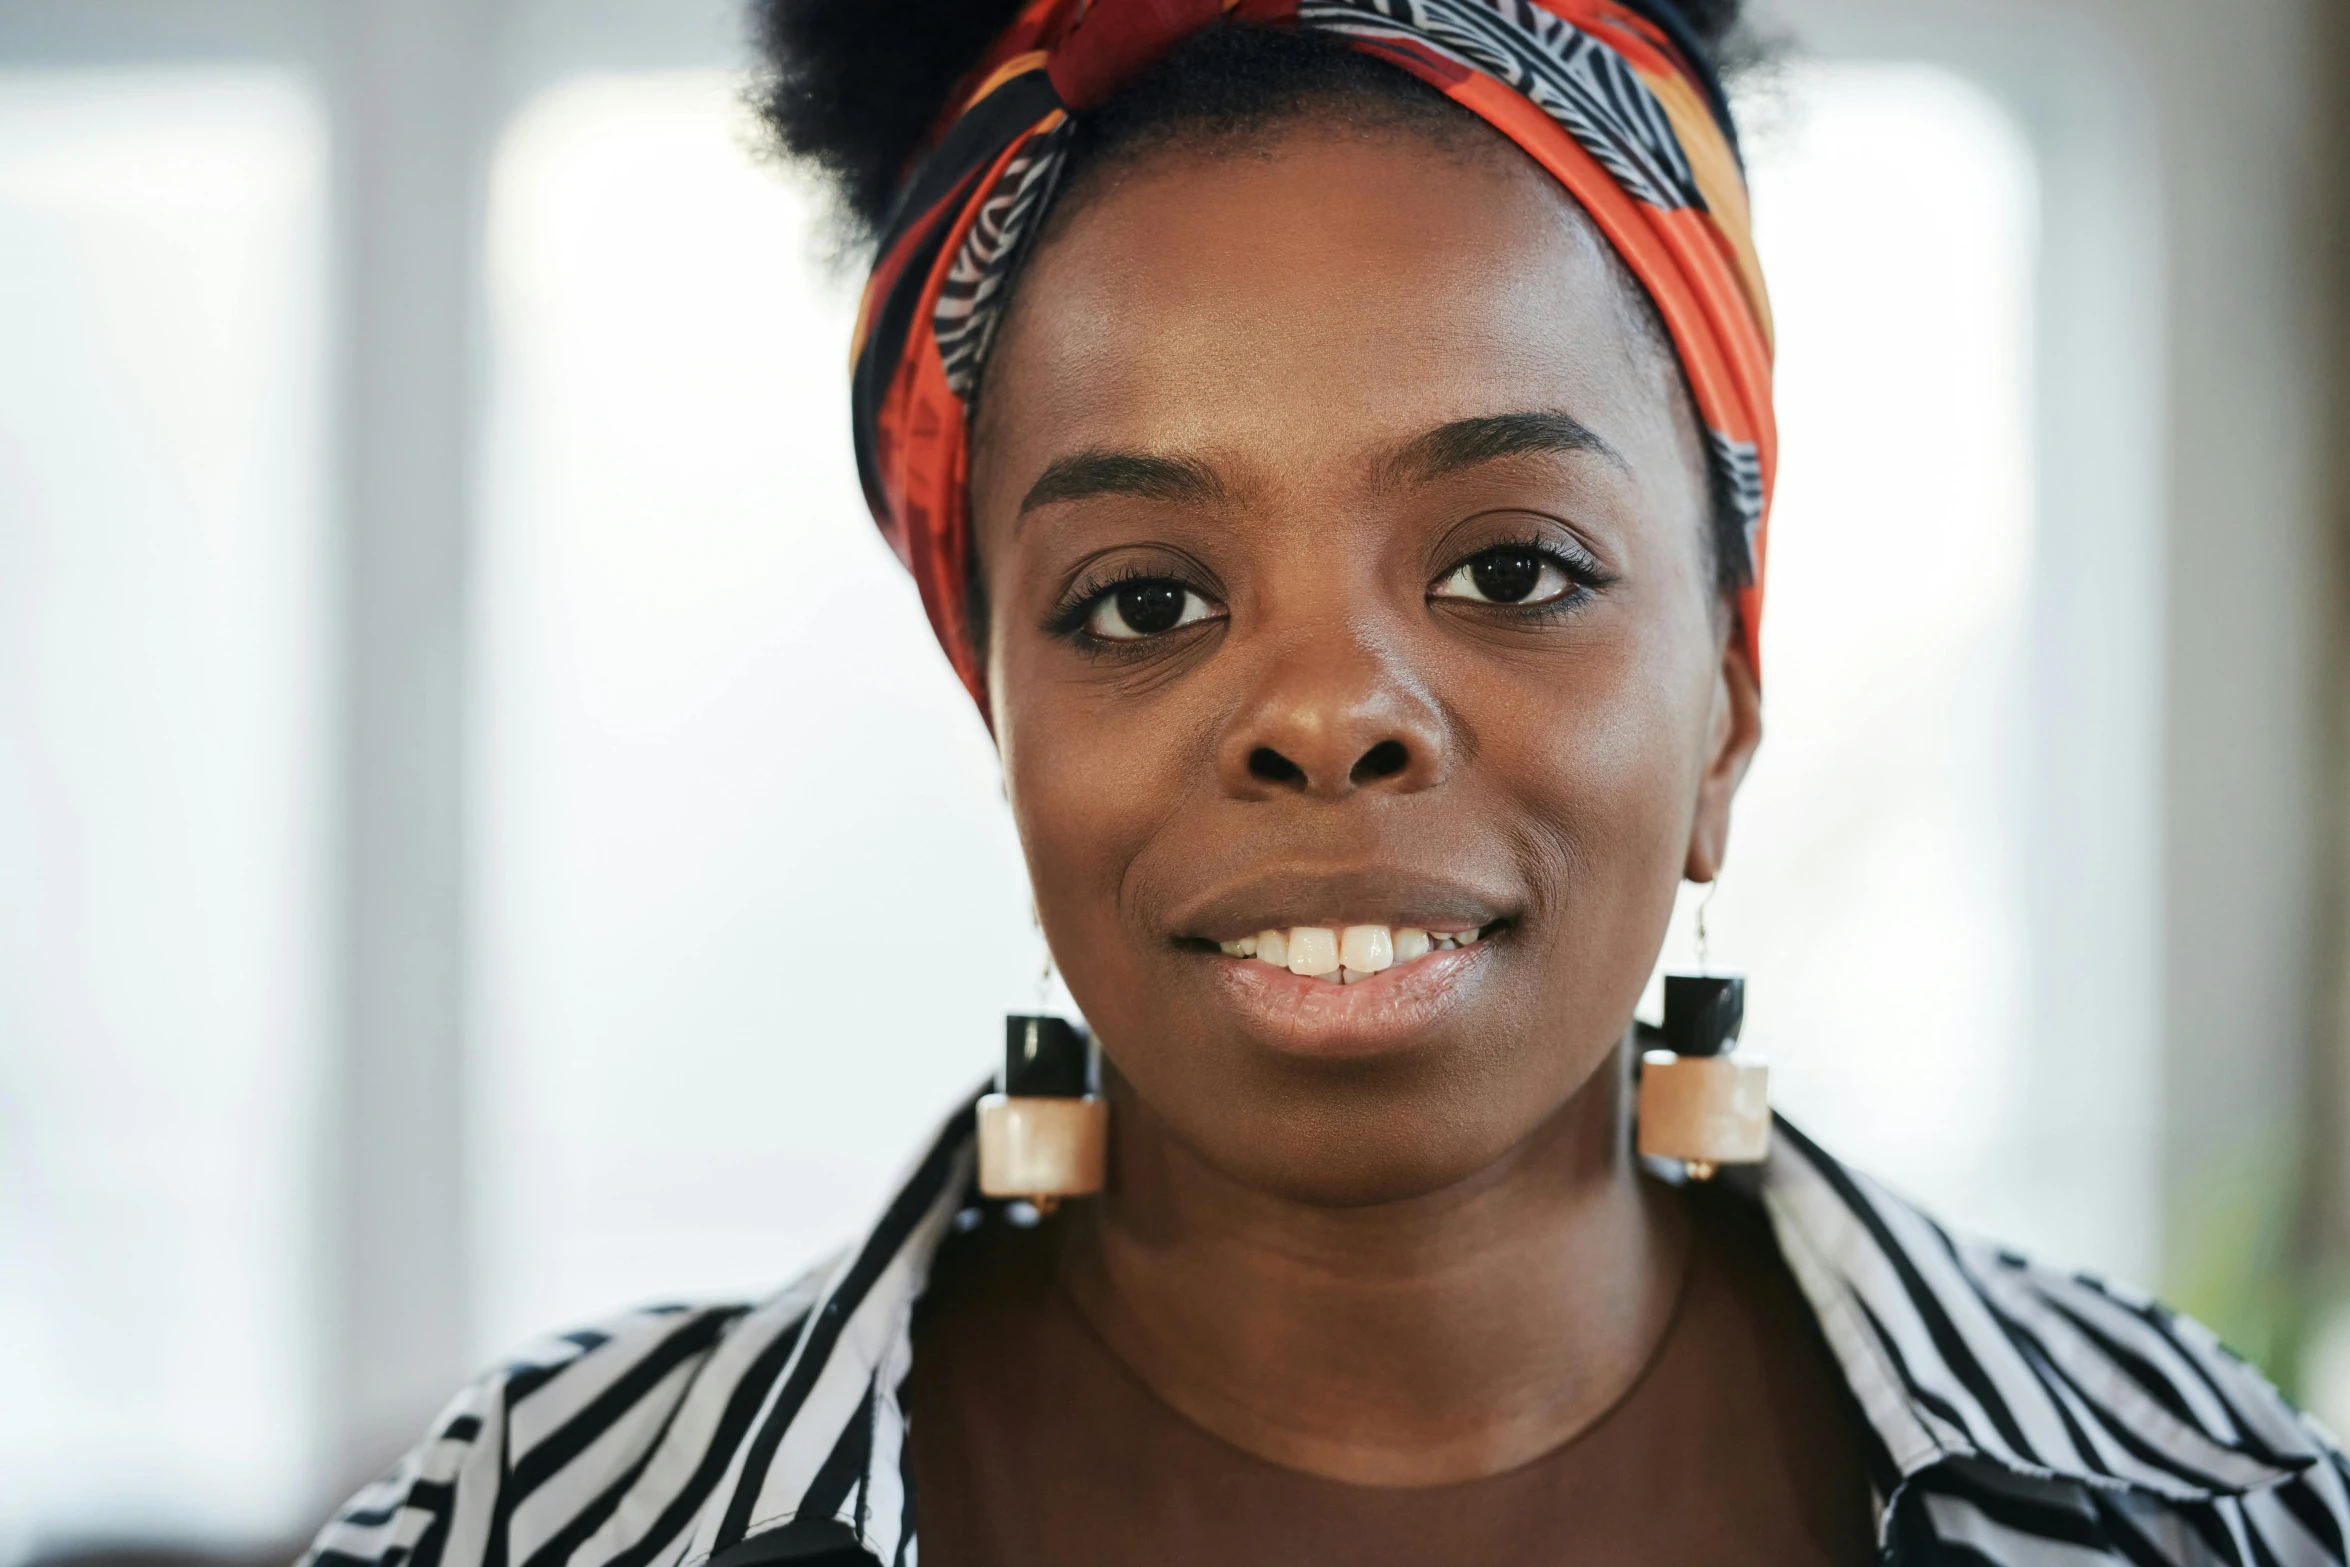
<point x="1332" y="438"/>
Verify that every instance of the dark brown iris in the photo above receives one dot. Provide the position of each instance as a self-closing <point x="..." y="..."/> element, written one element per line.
<point x="1506" y="576"/>
<point x="1149" y="608"/>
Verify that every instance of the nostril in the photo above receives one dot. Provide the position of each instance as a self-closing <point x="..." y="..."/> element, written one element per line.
<point x="1383" y="760"/>
<point x="1270" y="765"/>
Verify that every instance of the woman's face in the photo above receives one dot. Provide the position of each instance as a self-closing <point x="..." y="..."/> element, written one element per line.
<point x="1344" y="538"/>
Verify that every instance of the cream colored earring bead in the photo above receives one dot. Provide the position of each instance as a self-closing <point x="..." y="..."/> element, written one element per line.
<point x="1046" y="1136"/>
<point x="1697" y="1104"/>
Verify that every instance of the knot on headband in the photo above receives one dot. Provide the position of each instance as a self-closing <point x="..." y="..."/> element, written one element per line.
<point x="1598" y="94"/>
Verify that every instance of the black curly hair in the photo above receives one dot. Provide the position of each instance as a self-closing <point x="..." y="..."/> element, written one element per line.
<point x="851" y="88"/>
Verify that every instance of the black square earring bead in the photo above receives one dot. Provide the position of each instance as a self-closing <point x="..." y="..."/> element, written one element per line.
<point x="1046" y="1135"/>
<point x="1698" y="1105"/>
<point x="1703" y="1013"/>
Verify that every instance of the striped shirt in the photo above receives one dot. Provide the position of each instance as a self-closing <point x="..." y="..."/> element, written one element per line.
<point x="2013" y="1414"/>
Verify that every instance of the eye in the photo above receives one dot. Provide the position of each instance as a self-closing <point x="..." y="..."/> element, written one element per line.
<point x="1146" y="607"/>
<point x="1512" y="574"/>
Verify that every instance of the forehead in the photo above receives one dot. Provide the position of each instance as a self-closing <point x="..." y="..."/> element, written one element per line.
<point x="1324" y="291"/>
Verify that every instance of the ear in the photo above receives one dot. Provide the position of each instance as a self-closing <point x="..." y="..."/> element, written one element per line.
<point x="1733" y="730"/>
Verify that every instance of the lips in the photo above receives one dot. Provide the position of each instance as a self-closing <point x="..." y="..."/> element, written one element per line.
<point x="1394" y="1012"/>
<point x="1345" y="965"/>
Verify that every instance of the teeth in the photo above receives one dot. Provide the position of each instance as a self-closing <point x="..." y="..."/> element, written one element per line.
<point x="1366" y="949"/>
<point x="1313" y="950"/>
<point x="1344" y="956"/>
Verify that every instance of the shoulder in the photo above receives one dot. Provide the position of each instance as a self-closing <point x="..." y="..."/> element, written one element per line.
<point x="2014" y="1405"/>
<point x="609" y="1437"/>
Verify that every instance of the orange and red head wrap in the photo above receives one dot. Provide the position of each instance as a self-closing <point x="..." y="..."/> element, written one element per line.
<point x="1594" y="91"/>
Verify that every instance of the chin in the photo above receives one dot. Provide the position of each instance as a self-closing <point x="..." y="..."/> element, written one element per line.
<point x="1341" y="1131"/>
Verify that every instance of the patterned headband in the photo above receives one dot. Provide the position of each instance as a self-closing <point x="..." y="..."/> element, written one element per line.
<point x="1593" y="91"/>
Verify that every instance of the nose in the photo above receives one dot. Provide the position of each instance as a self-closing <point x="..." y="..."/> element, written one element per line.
<point x="1331" y="718"/>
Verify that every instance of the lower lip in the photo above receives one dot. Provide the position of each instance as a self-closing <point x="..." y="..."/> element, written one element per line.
<point x="1380" y="1014"/>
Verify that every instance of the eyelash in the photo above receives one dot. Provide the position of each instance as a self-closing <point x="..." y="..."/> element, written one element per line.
<point x="1076" y="607"/>
<point x="1580" y="565"/>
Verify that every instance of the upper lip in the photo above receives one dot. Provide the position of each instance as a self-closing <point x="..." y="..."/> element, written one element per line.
<point x="1280" y="900"/>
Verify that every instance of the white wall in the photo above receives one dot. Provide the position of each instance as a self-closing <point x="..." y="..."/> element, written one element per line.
<point x="749" y="906"/>
<point x="163" y="875"/>
<point x="2197" y="273"/>
<point x="1879" y="891"/>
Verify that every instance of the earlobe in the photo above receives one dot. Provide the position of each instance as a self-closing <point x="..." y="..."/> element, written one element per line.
<point x="1733" y="731"/>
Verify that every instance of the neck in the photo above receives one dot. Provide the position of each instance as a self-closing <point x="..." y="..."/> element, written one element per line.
<point x="1452" y="1335"/>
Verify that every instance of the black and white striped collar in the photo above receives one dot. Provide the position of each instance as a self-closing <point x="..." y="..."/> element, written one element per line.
<point x="2016" y="1414"/>
<point x="1959" y="1350"/>
<point x="1957" y="1354"/>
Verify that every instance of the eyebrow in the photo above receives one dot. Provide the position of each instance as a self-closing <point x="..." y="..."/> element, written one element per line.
<point x="1465" y="443"/>
<point x="1447" y="449"/>
<point x="1083" y="475"/>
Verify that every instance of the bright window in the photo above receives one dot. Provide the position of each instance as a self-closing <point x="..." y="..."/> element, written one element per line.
<point x="1876" y="892"/>
<point x="751" y="905"/>
<point x="160" y="769"/>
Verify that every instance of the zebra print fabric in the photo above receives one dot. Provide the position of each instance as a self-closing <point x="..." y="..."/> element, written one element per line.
<point x="2016" y="1415"/>
<point x="1569" y="75"/>
<point x="972" y="297"/>
<point x="1585" y="86"/>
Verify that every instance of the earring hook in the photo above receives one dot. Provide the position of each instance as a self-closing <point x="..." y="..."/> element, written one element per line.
<point x="1044" y="975"/>
<point x="1704" y="951"/>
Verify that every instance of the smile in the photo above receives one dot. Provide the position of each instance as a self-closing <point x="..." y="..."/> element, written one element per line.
<point x="1342" y="954"/>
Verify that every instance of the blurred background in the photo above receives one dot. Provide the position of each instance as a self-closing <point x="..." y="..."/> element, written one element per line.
<point x="486" y="837"/>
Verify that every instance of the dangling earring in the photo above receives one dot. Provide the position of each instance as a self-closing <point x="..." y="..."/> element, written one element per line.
<point x="1696" y="1104"/>
<point x="1046" y="1134"/>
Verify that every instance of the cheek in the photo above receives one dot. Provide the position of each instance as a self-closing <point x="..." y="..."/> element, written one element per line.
<point x="1090" y="785"/>
<point x="1606" y="769"/>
